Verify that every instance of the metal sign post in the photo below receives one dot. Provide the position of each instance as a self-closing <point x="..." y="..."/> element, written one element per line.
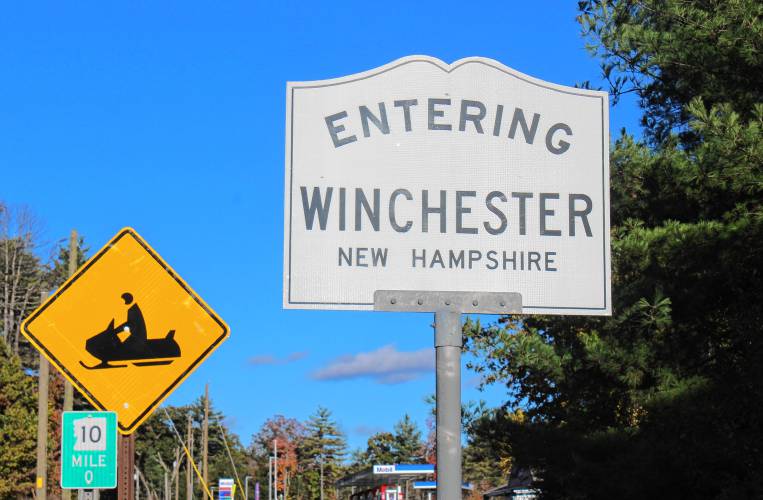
<point x="448" y="307"/>
<point x="125" y="487"/>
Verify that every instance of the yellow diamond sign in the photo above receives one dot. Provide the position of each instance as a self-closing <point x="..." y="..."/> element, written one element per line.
<point x="126" y="330"/>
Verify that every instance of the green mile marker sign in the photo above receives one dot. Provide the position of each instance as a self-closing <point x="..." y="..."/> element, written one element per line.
<point x="89" y="449"/>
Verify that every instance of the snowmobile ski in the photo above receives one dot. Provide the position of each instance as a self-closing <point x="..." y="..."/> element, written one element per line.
<point x="101" y="366"/>
<point x="153" y="363"/>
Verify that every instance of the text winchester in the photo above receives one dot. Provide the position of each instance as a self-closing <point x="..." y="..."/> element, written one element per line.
<point x="446" y="211"/>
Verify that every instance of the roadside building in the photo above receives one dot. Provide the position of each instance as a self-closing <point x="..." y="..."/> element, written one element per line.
<point x="521" y="486"/>
<point x="392" y="482"/>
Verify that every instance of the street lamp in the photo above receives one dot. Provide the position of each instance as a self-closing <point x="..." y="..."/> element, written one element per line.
<point x="246" y="487"/>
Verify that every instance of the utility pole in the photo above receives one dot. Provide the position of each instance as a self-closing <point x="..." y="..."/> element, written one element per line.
<point x="42" y="425"/>
<point x="189" y="459"/>
<point x="275" y="466"/>
<point x="176" y="473"/>
<point x="167" y="484"/>
<point x="68" y="389"/>
<point x="205" y="438"/>
<point x="270" y="478"/>
<point x="166" y="476"/>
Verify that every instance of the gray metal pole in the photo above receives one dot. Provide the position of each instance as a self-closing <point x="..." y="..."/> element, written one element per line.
<point x="448" y="307"/>
<point x="448" y="367"/>
<point x="275" y="467"/>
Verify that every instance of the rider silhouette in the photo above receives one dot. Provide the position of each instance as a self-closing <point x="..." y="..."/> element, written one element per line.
<point x="107" y="345"/>
<point x="135" y="323"/>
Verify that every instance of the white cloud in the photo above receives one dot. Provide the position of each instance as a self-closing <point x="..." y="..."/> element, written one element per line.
<point x="385" y="365"/>
<point x="262" y="359"/>
<point x="269" y="359"/>
<point x="296" y="356"/>
<point x="368" y="430"/>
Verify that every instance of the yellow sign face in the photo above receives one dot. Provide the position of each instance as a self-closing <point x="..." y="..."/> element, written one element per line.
<point x="126" y="330"/>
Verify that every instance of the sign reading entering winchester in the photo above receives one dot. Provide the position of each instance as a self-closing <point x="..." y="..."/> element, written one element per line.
<point x="421" y="175"/>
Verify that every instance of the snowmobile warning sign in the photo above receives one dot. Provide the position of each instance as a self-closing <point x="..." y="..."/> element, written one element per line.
<point x="126" y="330"/>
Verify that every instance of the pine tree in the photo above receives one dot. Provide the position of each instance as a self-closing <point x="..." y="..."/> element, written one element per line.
<point x="18" y="427"/>
<point x="408" y="447"/>
<point x="380" y="450"/>
<point x="402" y="446"/>
<point x="324" y="445"/>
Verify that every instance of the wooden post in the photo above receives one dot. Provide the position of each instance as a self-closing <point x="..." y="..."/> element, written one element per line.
<point x="166" y="476"/>
<point x="188" y="466"/>
<point x="68" y="389"/>
<point x="126" y="466"/>
<point x="42" y="425"/>
<point x="176" y="472"/>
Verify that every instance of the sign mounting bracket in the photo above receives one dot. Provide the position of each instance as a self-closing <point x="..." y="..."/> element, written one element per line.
<point x="439" y="301"/>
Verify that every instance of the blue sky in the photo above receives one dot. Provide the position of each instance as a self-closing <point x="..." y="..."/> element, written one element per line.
<point x="169" y="117"/>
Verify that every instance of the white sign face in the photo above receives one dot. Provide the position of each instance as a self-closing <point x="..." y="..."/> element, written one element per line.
<point x="420" y="175"/>
<point x="90" y="434"/>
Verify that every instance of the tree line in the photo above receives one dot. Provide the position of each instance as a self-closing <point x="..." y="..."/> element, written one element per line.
<point x="307" y="451"/>
<point x="662" y="399"/>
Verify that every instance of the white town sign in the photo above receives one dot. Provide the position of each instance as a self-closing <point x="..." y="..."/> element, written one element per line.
<point x="468" y="177"/>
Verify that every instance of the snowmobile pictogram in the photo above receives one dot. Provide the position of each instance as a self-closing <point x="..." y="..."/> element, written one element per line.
<point x="137" y="348"/>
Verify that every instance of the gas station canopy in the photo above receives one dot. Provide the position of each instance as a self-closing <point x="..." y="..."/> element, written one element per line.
<point x="385" y="474"/>
<point x="393" y="482"/>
